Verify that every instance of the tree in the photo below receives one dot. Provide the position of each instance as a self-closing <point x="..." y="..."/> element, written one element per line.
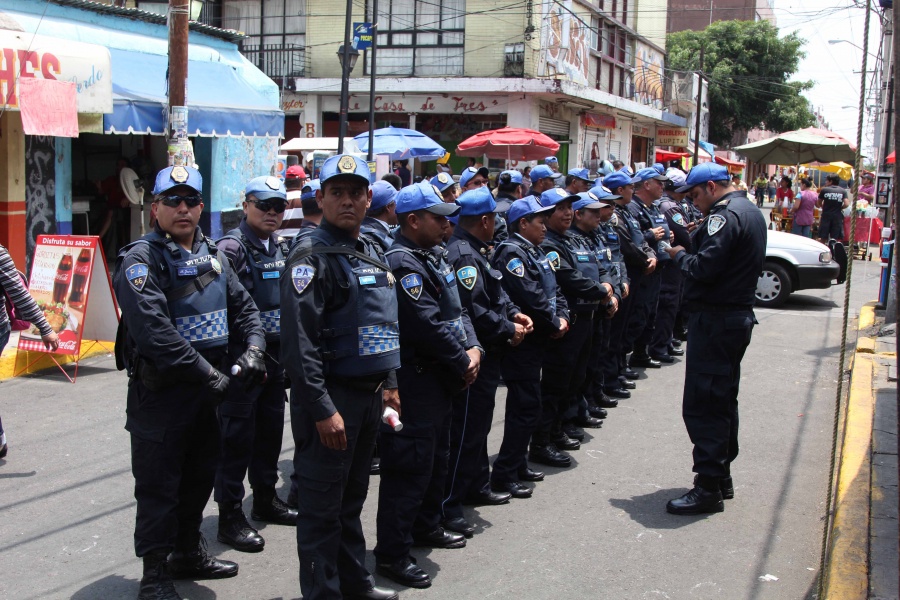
<point x="748" y="67"/>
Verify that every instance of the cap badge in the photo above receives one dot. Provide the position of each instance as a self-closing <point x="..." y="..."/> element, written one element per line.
<point x="594" y="196"/>
<point x="561" y="192"/>
<point x="443" y="178"/>
<point x="273" y="182"/>
<point x="179" y="174"/>
<point x="347" y="164"/>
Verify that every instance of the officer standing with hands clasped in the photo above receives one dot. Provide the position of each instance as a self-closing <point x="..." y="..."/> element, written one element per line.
<point x="180" y="302"/>
<point x="720" y="277"/>
<point x="340" y="347"/>
<point x="252" y="419"/>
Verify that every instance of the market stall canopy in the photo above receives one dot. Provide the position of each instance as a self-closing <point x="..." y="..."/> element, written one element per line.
<point x="305" y="144"/>
<point x="733" y="165"/>
<point x="843" y="170"/>
<point x="220" y="101"/>
<point x="799" y="147"/>
<point x="400" y="144"/>
<point x="665" y="156"/>
<point x="511" y="143"/>
<point x="891" y="158"/>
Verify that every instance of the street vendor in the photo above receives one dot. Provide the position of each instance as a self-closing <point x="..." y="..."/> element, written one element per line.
<point x="867" y="189"/>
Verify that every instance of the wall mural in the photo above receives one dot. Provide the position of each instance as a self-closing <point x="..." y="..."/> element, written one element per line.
<point x="566" y="43"/>
<point x="40" y="190"/>
<point x="648" y="76"/>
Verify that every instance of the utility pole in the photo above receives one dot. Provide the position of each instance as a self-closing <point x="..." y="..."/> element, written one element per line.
<point x="345" y="78"/>
<point x="699" y="107"/>
<point x="180" y="150"/>
<point x="371" y="156"/>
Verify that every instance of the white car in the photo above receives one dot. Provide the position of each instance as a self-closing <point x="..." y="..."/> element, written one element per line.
<point x="793" y="263"/>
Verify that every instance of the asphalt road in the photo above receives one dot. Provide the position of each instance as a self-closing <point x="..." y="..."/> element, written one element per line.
<point x="597" y="530"/>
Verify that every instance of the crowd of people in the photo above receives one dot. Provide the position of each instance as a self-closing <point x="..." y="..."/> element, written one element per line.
<point x="393" y="315"/>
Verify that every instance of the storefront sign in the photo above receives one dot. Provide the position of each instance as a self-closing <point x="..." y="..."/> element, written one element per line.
<point x="24" y="55"/>
<point x="672" y="136"/>
<point x="48" y="107"/>
<point x="441" y="104"/>
<point x="598" y="121"/>
<point x="641" y="130"/>
<point x="292" y="103"/>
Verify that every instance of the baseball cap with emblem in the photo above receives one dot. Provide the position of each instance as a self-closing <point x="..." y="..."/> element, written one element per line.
<point x="587" y="200"/>
<point x="295" y="172"/>
<point x="171" y="177"/>
<point x="345" y="164"/>
<point x="555" y="196"/>
<point x="475" y="202"/>
<point x="582" y="174"/>
<point x="676" y="177"/>
<point x="383" y="193"/>
<point x="603" y="195"/>
<point x="702" y="174"/>
<point x="471" y="172"/>
<point x="617" y="180"/>
<point x="542" y="172"/>
<point x="524" y="208"/>
<point x="309" y="190"/>
<point x="266" y="188"/>
<point x="423" y="196"/>
<point x="551" y="159"/>
<point x="442" y="181"/>
<point x="649" y="173"/>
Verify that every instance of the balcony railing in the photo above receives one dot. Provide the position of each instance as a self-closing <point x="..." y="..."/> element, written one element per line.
<point x="279" y="61"/>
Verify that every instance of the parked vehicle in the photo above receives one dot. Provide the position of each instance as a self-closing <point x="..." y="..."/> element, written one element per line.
<point x="794" y="263"/>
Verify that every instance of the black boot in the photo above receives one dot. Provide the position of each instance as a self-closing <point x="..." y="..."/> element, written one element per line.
<point x="235" y="531"/>
<point x="698" y="501"/>
<point x="269" y="508"/>
<point x="156" y="584"/>
<point x="191" y="561"/>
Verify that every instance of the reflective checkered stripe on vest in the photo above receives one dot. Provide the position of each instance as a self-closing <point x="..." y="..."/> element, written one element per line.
<point x="265" y="272"/>
<point x="361" y="337"/>
<point x="540" y="262"/>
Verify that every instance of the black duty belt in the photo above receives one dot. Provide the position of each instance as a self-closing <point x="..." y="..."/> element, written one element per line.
<point x="718" y="308"/>
<point x="360" y="385"/>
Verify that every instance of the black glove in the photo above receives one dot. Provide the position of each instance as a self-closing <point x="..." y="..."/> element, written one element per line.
<point x="217" y="384"/>
<point x="253" y="366"/>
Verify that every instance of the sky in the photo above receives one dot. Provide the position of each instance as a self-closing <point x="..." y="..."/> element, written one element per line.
<point x="835" y="67"/>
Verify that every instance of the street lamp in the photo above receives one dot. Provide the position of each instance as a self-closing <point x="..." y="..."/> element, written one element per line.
<point x="857" y="46"/>
<point x="347" y="55"/>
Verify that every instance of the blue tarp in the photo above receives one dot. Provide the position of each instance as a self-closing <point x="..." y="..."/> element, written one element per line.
<point x="220" y="101"/>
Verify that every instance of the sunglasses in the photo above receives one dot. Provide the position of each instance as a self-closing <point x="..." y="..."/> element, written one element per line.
<point x="278" y="206"/>
<point x="175" y="201"/>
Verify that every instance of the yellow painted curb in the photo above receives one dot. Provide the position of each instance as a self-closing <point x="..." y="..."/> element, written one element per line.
<point x="846" y="570"/>
<point x="12" y="362"/>
<point x="866" y="345"/>
<point x="867" y="315"/>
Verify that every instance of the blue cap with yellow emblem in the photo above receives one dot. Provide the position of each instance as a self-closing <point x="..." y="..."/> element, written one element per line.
<point x="266" y="188"/>
<point x="555" y="196"/>
<point x="423" y="196"/>
<point x="345" y="164"/>
<point x="172" y="177"/>
<point x="442" y="181"/>
<point x="525" y="208"/>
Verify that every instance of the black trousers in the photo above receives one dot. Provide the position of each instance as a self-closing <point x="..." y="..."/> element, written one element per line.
<point x="614" y="358"/>
<point x="414" y="461"/>
<point x="669" y="304"/>
<point x="252" y="427"/>
<point x="332" y="488"/>
<point x="174" y="447"/>
<point x="716" y="345"/>
<point x="469" y="470"/>
<point x="643" y="314"/>
<point x="565" y="366"/>
<point x="521" y="371"/>
<point x="594" y="379"/>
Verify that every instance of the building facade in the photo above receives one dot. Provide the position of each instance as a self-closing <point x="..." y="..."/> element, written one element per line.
<point x="696" y="15"/>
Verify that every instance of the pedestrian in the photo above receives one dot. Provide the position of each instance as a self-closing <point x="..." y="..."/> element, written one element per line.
<point x="543" y="179"/>
<point x="833" y="199"/>
<point x="760" y="187"/>
<point x="402" y="171"/>
<point x="499" y="325"/>
<point x="803" y="209"/>
<point x="526" y="181"/>
<point x="312" y="213"/>
<point x="720" y="276"/>
<point x="867" y="189"/>
<point x="26" y="310"/>
<point x="784" y="199"/>
<point x="553" y="163"/>
<point x="578" y="181"/>
<point x="340" y="347"/>
<point x="252" y="419"/>
<point x="294" y="181"/>
<point x="181" y="302"/>
<point x="772" y="189"/>
<point x="440" y="357"/>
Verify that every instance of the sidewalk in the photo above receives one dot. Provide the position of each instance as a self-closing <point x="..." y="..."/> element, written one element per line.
<point x="9" y="366"/>
<point x="862" y="560"/>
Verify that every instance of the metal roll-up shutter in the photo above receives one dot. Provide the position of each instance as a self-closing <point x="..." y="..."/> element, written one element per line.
<point x="556" y="127"/>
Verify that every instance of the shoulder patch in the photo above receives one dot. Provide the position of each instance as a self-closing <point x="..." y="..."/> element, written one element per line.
<point x="553" y="257"/>
<point x="467" y="277"/>
<point x="136" y="275"/>
<point x="714" y="224"/>
<point x="679" y="220"/>
<point x="412" y="285"/>
<point x="302" y="276"/>
<point x="516" y="267"/>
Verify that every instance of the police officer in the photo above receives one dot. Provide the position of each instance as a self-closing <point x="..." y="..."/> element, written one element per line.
<point x="340" y="347"/>
<point x="180" y="302"/>
<point x="252" y="420"/>
<point x="639" y="260"/>
<point x="446" y="187"/>
<point x="529" y="281"/>
<point x="509" y="189"/>
<point x="578" y="181"/>
<point x="720" y="278"/>
<point x="499" y="325"/>
<point x="440" y="355"/>
<point x="543" y="179"/>
<point x="381" y="220"/>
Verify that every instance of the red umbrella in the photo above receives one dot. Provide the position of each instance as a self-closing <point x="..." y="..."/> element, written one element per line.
<point x="511" y="143"/>
<point x="891" y="158"/>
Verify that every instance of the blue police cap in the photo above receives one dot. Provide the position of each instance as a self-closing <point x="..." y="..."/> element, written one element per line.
<point x="649" y="173"/>
<point x="676" y="177"/>
<point x="171" y="177"/>
<point x="551" y="159"/>
<point x="524" y="208"/>
<point x="660" y="168"/>
<point x="345" y="164"/>
<point x="471" y="172"/>
<point x="266" y="188"/>
<point x="511" y="176"/>
<point x="423" y="196"/>
<point x="442" y="181"/>
<point x="542" y="172"/>
<point x="602" y="193"/>
<point x="703" y="173"/>
<point x="617" y="180"/>
<point x="555" y="196"/>
<point x="383" y="193"/>
<point x="309" y="190"/>
<point x="582" y="174"/>
<point x="587" y="200"/>
<point x="479" y="201"/>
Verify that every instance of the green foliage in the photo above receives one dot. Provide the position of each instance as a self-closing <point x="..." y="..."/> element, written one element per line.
<point x="748" y="67"/>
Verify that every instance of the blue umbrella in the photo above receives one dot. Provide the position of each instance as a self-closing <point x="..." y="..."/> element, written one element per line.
<point x="401" y="144"/>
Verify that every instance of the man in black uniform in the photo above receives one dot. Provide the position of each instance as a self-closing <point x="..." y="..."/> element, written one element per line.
<point x="252" y="420"/>
<point x="719" y="291"/>
<point x="340" y="347"/>
<point x="832" y="200"/>
<point x="381" y="219"/>
<point x="499" y="325"/>
<point x="180" y="302"/>
<point x="543" y="179"/>
<point x="578" y="181"/>
<point x="529" y="281"/>
<point x="440" y="356"/>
